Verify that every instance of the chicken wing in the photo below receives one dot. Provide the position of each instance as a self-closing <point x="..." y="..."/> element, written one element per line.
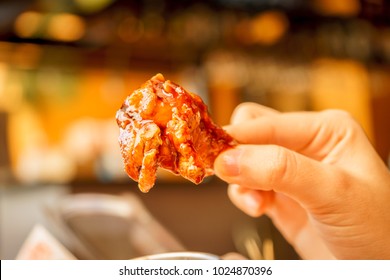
<point x="163" y="125"/>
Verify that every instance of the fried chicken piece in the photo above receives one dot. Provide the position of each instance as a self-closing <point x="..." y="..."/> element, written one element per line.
<point x="163" y="125"/>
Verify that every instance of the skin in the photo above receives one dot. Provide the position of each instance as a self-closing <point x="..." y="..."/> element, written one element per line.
<point x="316" y="175"/>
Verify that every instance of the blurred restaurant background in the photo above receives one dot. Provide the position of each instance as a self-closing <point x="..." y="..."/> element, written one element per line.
<point x="67" y="65"/>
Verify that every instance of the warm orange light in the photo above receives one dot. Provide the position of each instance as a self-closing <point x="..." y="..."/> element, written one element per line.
<point x="267" y="28"/>
<point x="66" y="27"/>
<point x="27" y="24"/>
<point x="337" y="8"/>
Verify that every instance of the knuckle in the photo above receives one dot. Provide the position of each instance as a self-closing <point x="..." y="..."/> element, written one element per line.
<point x="341" y="121"/>
<point x="336" y="116"/>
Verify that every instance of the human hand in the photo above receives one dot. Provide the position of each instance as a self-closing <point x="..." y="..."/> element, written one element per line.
<point x="316" y="175"/>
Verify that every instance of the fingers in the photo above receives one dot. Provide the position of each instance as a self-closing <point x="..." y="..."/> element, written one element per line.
<point x="253" y="202"/>
<point x="330" y="136"/>
<point x="295" y="225"/>
<point x="299" y="131"/>
<point x="287" y="215"/>
<point x="309" y="133"/>
<point x="274" y="168"/>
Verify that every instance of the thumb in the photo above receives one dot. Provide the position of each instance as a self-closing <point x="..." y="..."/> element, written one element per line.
<point x="271" y="167"/>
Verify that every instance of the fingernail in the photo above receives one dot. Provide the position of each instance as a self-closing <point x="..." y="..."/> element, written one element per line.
<point x="230" y="160"/>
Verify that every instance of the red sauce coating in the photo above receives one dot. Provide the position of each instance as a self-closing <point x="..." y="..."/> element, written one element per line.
<point x="163" y="125"/>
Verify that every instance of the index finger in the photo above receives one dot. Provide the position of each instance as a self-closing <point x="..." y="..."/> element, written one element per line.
<point x="314" y="134"/>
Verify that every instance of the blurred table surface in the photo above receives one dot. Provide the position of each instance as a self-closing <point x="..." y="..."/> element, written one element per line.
<point x="201" y="217"/>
